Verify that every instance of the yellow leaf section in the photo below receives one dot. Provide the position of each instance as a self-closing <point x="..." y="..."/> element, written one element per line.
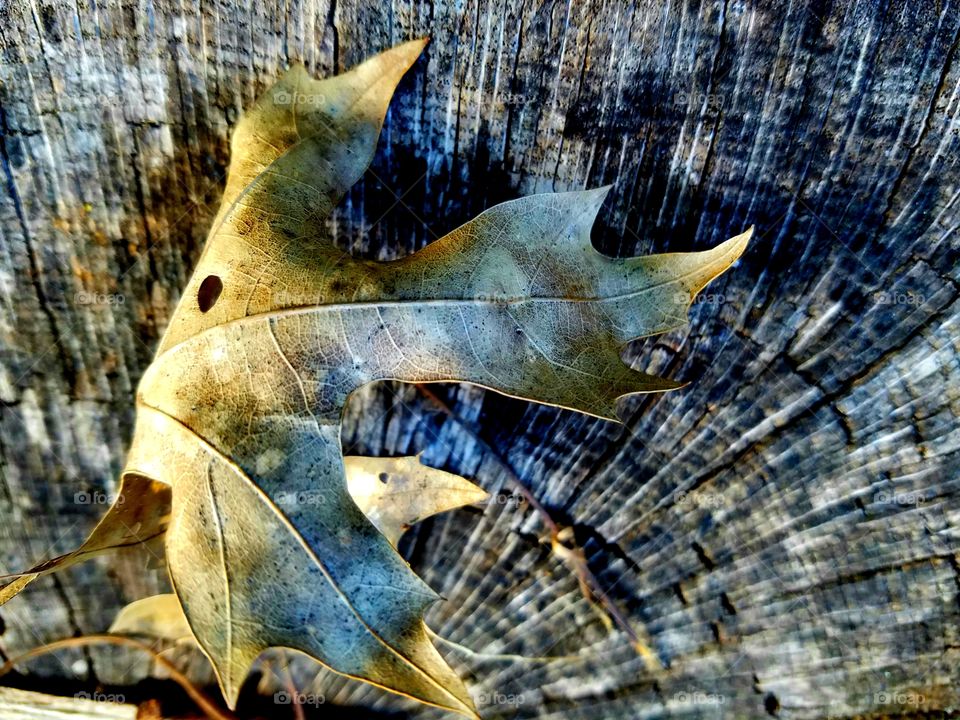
<point x="138" y="515"/>
<point x="395" y="493"/>
<point x="158" y="616"/>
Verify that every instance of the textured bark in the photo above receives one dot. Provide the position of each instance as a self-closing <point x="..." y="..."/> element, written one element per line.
<point x="782" y="534"/>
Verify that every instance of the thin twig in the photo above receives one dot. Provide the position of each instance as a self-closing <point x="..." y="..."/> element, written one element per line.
<point x="202" y="701"/>
<point x="286" y="681"/>
<point x="561" y="539"/>
<point x="501" y="656"/>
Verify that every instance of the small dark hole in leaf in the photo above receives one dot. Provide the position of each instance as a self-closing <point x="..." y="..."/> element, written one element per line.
<point x="209" y="291"/>
<point x="383" y="478"/>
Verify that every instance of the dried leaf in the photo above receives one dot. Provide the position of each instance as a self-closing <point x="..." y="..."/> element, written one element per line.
<point x="395" y="493"/>
<point x="242" y="404"/>
<point x="158" y="616"/>
<point x="138" y="515"/>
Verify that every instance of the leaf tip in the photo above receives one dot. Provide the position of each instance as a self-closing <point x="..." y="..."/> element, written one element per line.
<point x="647" y="384"/>
<point x="13" y="588"/>
<point x="738" y="243"/>
<point x="229" y="686"/>
<point x="598" y="195"/>
<point x="408" y="52"/>
<point x="729" y="251"/>
<point x="704" y="267"/>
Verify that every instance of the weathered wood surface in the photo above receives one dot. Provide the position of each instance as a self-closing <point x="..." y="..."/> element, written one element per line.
<point x="783" y="533"/>
<point x="23" y="705"/>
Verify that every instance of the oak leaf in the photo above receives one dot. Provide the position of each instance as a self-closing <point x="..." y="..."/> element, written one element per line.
<point x="159" y="617"/>
<point x="406" y="492"/>
<point x="138" y="516"/>
<point x="276" y="328"/>
<point x="394" y="493"/>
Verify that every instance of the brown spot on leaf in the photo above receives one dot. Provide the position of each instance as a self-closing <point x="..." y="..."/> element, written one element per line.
<point x="209" y="291"/>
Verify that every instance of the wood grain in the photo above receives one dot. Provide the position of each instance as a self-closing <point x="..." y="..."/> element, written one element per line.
<point x="22" y="705"/>
<point x="783" y="533"/>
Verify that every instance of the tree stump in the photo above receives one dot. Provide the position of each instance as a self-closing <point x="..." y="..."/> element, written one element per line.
<point x="782" y="535"/>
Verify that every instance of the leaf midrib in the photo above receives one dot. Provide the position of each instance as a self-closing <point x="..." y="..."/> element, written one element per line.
<point x="300" y="539"/>
<point x="296" y="310"/>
